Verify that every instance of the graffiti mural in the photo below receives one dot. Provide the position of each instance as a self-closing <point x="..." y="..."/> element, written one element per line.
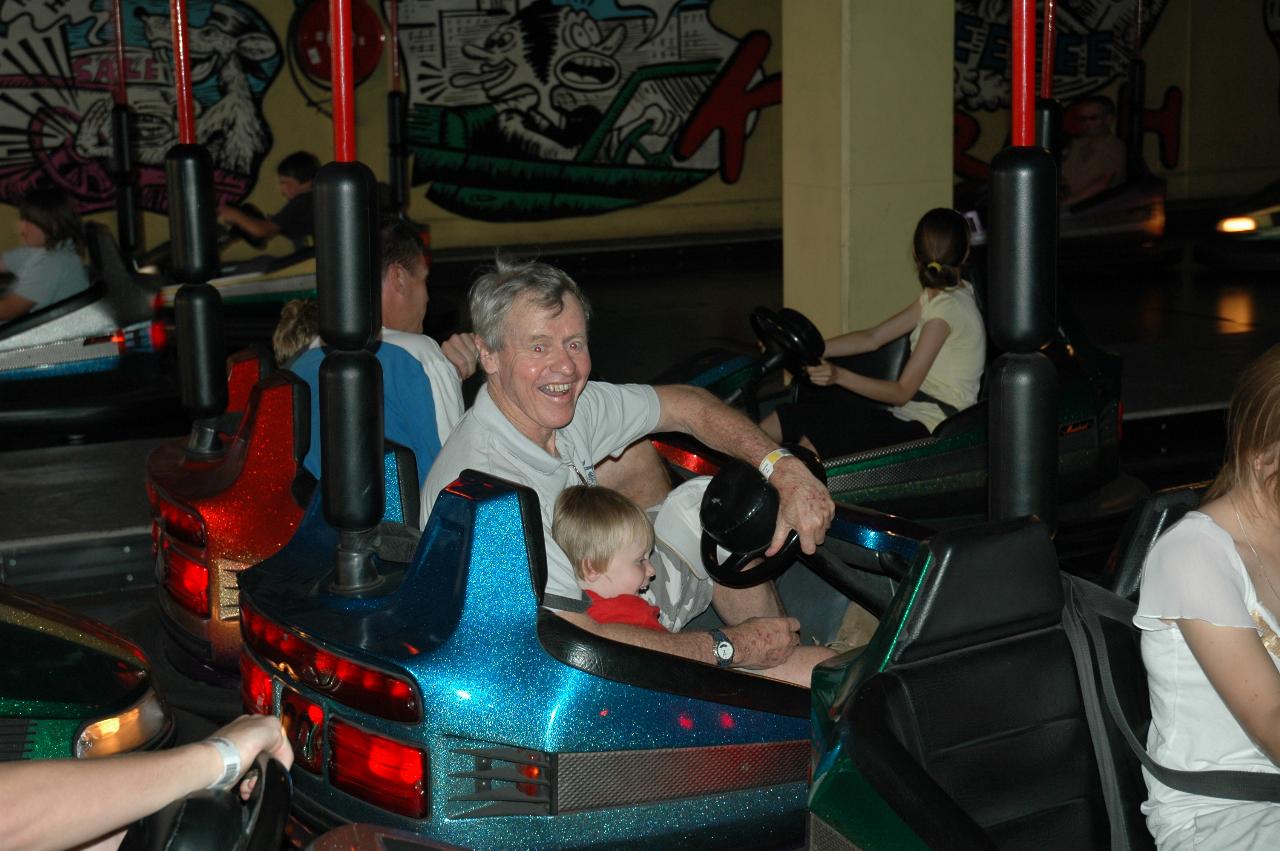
<point x="58" y="68"/>
<point x="525" y="111"/>
<point x="1096" y="42"/>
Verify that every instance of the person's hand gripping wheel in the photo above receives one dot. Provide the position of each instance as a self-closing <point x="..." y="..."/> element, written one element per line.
<point x="739" y="512"/>
<point x="790" y="340"/>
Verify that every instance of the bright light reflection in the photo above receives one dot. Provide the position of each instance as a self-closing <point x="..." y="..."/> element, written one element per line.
<point x="1238" y="224"/>
<point x="465" y="695"/>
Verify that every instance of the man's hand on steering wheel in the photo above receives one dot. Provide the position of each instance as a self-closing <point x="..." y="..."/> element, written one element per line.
<point x="805" y="505"/>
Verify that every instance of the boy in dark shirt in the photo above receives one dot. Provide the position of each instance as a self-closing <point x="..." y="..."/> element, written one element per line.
<point x="296" y="219"/>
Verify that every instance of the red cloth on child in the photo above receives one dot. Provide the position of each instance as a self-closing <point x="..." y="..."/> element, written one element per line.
<point x="630" y="609"/>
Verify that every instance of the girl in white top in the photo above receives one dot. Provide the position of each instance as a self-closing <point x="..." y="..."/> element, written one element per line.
<point x="1209" y="642"/>
<point x="948" y="352"/>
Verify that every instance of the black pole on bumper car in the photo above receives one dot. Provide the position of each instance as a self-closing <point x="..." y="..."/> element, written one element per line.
<point x="198" y="306"/>
<point x="1022" y="431"/>
<point x="347" y="267"/>
<point x="121" y="167"/>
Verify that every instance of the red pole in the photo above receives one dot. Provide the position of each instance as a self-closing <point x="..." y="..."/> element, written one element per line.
<point x="1024" y="72"/>
<point x="393" y="15"/>
<point x="344" y="106"/>
<point x="182" y="73"/>
<point x="1046" y="52"/>
<point x="121" y="97"/>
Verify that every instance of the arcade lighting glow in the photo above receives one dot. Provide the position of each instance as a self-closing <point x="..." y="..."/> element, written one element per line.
<point x="1238" y="224"/>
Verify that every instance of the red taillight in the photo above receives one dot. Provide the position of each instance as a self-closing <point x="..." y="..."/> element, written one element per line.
<point x="187" y="581"/>
<point x="159" y="334"/>
<point x="347" y="682"/>
<point x="117" y="337"/>
<point x="383" y="772"/>
<point x="182" y="524"/>
<point x="255" y="687"/>
<point x="157" y="303"/>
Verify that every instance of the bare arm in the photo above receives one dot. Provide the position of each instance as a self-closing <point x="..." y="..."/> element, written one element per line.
<point x="806" y="505"/>
<point x="899" y="392"/>
<point x="757" y="642"/>
<point x="1243" y="675"/>
<point x="870" y="339"/>
<point x="52" y="804"/>
<point x="13" y="305"/>
<point x="252" y="225"/>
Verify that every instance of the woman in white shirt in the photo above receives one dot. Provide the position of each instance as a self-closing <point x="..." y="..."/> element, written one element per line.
<point x="1208" y="609"/>
<point x="942" y="375"/>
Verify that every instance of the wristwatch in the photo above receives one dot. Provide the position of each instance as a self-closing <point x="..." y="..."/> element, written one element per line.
<point x="721" y="648"/>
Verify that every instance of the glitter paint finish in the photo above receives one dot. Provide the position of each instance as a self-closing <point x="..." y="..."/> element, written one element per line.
<point x="245" y="499"/>
<point x="461" y="622"/>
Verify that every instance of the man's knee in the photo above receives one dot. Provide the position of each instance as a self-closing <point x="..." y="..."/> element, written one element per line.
<point x="638" y="473"/>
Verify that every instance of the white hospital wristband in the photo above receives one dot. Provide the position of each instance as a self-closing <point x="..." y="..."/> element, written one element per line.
<point x="766" y="466"/>
<point x="230" y="762"/>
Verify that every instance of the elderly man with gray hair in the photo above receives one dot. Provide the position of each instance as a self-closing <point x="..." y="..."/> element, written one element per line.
<point x="538" y="421"/>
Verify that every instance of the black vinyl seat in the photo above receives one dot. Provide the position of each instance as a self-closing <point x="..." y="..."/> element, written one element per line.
<point x="975" y="730"/>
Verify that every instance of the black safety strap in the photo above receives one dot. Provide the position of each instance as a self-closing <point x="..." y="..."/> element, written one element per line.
<point x="1084" y="603"/>
<point x="565" y="604"/>
<point x="948" y="409"/>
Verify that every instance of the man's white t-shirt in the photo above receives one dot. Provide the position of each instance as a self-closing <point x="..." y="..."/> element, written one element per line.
<point x="607" y="419"/>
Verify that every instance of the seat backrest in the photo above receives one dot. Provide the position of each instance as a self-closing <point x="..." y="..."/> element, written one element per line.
<point x="108" y="265"/>
<point x="245" y="368"/>
<point x="1123" y="571"/>
<point x="979" y="697"/>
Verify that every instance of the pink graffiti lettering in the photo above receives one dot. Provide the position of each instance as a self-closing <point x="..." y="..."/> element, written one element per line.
<point x="728" y="104"/>
<point x="92" y="70"/>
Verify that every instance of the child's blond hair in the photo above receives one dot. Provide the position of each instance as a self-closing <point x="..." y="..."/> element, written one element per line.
<point x="593" y="523"/>
<point x="299" y="324"/>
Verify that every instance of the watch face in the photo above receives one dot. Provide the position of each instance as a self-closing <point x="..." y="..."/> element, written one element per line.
<point x="724" y="650"/>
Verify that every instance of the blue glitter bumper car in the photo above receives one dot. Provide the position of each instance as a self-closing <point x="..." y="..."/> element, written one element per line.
<point x="446" y="702"/>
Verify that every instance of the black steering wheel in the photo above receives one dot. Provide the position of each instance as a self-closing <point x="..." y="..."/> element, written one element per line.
<point x="739" y="512"/>
<point x="219" y="821"/>
<point x="789" y="339"/>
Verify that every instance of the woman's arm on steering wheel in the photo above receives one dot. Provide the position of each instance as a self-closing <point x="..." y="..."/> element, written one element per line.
<point x="1242" y="673"/>
<point x="60" y="803"/>
<point x="870" y="339"/>
<point x="932" y="335"/>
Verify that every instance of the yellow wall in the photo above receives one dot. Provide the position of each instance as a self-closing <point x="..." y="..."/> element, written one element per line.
<point x="858" y="168"/>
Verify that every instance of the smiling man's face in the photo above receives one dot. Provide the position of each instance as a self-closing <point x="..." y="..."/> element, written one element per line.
<point x="536" y="377"/>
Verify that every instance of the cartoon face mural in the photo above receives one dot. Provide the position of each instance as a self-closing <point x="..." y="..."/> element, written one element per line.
<point x="538" y="110"/>
<point x="59" y="72"/>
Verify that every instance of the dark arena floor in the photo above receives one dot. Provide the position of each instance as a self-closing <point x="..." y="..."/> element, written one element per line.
<point x="74" y="522"/>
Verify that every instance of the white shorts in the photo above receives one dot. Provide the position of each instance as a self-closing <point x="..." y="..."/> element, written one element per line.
<point x="682" y="589"/>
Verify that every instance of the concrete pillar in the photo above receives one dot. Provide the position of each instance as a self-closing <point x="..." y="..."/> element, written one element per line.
<point x="866" y="149"/>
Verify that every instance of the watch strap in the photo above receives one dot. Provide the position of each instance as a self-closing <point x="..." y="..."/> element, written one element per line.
<point x="766" y="466"/>
<point x="231" y="764"/>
